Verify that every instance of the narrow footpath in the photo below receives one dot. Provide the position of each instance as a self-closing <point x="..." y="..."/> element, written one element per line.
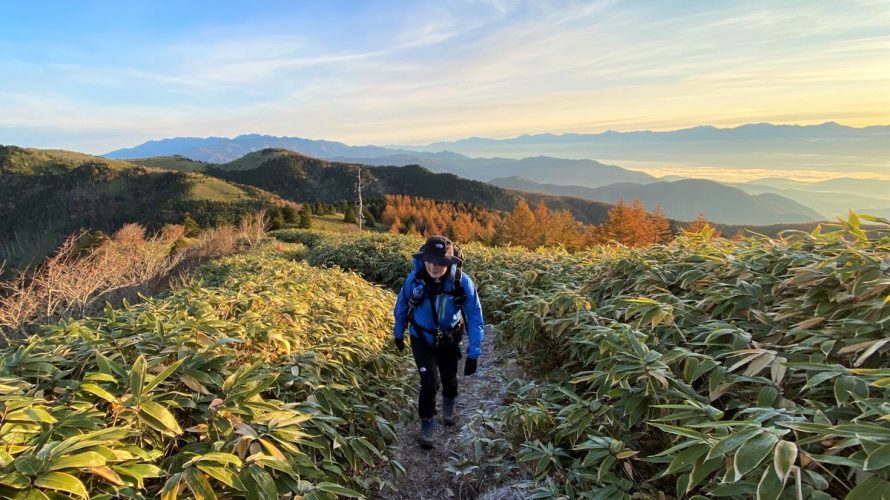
<point x="426" y="477"/>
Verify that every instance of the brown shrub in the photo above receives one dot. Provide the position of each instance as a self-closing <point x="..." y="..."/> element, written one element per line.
<point x="71" y="283"/>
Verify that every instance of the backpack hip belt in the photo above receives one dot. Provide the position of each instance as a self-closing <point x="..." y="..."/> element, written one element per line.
<point x="448" y="336"/>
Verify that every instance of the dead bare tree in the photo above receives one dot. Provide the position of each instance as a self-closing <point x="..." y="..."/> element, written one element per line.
<point x="361" y="212"/>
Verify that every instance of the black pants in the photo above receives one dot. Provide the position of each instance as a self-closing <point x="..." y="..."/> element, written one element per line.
<point x="433" y="364"/>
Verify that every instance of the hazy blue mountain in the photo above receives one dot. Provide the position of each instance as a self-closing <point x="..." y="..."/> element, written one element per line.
<point x="830" y="204"/>
<point x="587" y="173"/>
<point x="684" y="200"/>
<point x="864" y="187"/>
<point x="828" y="146"/>
<point x="165" y="147"/>
<point x="222" y="150"/>
<point x="540" y="168"/>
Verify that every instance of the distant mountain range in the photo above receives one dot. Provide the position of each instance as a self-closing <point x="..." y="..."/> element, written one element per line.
<point x="298" y="177"/>
<point x="831" y="198"/>
<point x="684" y="199"/>
<point x="588" y="173"/>
<point x="828" y="146"/>
<point x="223" y="150"/>
<point x="220" y="150"/>
<point x="758" y="145"/>
<point x="45" y="194"/>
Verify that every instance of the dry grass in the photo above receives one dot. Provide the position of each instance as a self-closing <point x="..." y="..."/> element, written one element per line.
<point x="73" y="282"/>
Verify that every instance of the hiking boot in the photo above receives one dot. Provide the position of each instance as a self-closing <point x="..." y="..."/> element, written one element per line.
<point x="427" y="428"/>
<point x="448" y="411"/>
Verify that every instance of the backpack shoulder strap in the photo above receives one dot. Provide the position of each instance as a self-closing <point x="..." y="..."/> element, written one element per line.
<point x="457" y="287"/>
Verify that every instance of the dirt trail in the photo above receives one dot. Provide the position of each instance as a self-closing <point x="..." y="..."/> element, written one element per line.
<point x="426" y="476"/>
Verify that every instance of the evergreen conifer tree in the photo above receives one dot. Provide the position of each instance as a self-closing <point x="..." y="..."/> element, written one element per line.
<point x="305" y="219"/>
<point x="370" y="221"/>
<point x="349" y="215"/>
<point x="290" y="213"/>
<point x="191" y="226"/>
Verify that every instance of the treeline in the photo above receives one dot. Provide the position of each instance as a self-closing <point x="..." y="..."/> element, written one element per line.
<point x="458" y="221"/>
<point x="628" y="224"/>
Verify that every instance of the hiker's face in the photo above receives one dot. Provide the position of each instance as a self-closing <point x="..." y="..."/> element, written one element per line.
<point x="435" y="270"/>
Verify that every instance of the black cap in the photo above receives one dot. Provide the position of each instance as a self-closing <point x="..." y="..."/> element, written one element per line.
<point x="438" y="250"/>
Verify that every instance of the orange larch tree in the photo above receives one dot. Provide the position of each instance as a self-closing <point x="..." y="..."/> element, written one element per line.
<point x="520" y="227"/>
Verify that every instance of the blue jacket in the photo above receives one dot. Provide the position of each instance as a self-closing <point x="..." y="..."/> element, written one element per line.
<point x="449" y="314"/>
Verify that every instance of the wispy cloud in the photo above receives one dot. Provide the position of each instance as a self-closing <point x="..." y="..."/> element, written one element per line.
<point x="426" y="71"/>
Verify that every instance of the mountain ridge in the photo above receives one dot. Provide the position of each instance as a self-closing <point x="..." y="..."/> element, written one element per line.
<point x="755" y="129"/>
<point x="47" y="194"/>
<point x="685" y="199"/>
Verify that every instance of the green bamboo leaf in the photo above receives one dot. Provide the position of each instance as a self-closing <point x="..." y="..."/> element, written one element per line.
<point x="770" y="486"/>
<point x="31" y="494"/>
<point x="273" y="463"/>
<point x="15" y="480"/>
<point x="28" y="465"/>
<point x="216" y="456"/>
<point x="170" y="491"/>
<point x="98" y="391"/>
<point x="99" y="377"/>
<point x="701" y="469"/>
<point x="159" y="418"/>
<point x="90" y="439"/>
<point x="783" y="460"/>
<point x="839" y="460"/>
<point x="266" y="489"/>
<point x="750" y="454"/>
<point x="59" y="481"/>
<point x="32" y="414"/>
<point x="81" y="460"/>
<point x="338" y="490"/>
<point x="687" y="457"/>
<point x="862" y="430"/>
<point x="161" y="376"/>
<point x="221" y="474"/>
<point x="732" y="442"/>
<point x="819" y="378"/>
<point x="682" y="431"/>
<point x="198" y="484"/>
<point x="878" y="459"/>
<point x="137" y="377"/>
<point x="872" y="487"/>
<point x="884" y="382"/>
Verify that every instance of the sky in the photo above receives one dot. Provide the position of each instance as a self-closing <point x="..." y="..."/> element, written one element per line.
<point x="97" y="76"/>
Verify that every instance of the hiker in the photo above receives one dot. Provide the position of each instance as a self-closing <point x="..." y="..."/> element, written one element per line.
<point x="438" y="304"/>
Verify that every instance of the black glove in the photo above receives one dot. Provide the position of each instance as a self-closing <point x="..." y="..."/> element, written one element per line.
<point x="470" y="366"/>
<point x="400" y="344"/>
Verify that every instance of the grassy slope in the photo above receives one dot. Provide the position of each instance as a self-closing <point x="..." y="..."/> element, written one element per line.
<point x="334" y="223"/>
<point x="46" y="194"/>
<point x="176" y="162"/>
<point x="254" y="160"/>
<point x="295" y="355"/>
<point x="29" y="161"/>
<point x="213" y="189"/>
